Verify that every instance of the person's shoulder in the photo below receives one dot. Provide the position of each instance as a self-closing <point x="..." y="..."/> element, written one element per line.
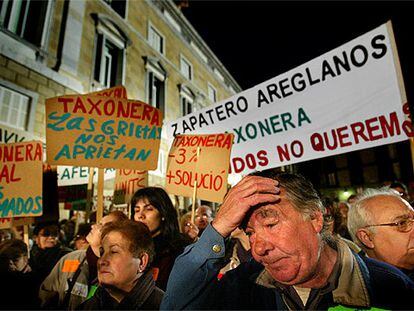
<point x="94" y="302"/>
<point x="386" y="272"/>
<point x="65" y="250"/>
<point x="156" y="297"/>
<point x="78" y="254"/>
<point x="390" y="288"/>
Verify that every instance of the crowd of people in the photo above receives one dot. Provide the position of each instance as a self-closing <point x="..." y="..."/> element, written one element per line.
<point x="274" y="243"/>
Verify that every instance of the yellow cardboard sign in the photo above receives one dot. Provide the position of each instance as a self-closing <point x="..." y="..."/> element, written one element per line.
<point x="127" y="182"/>
<point x="103" y="132"/>
<point x="209" y="169"/>
<point x="21" y="173"/>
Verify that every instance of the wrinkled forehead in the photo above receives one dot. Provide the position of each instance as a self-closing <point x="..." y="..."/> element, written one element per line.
<point x="384" y="207"/>
<point x="274" y="212"/>
<point x="115" y="238"/>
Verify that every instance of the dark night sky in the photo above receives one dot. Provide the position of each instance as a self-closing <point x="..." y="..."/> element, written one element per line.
<point x="258" y="40"/>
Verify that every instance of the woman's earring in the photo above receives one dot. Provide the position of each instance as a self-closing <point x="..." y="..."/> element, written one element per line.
<point x="162" y="218"/>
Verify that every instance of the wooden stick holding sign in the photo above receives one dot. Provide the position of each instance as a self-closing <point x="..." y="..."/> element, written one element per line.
<point x="99" y="202"/>
<point x="89" y="194"/>
<point x="195" y="191"/>
<point x="26" y="238"/>
<point x="204" y="177"/>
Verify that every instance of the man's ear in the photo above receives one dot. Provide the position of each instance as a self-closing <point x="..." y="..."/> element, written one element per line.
<point x="365" y="237"/>
<point x="317" y="221"/>
<point x="143" y="262"/>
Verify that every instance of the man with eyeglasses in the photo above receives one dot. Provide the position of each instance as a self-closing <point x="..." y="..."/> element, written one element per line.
<point x="381" y="222"/>
<point x="203" y="216"/>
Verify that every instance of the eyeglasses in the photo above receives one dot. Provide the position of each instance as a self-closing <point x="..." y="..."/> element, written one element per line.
<point x="48" y="233"/>
<point x="403" y="225"/>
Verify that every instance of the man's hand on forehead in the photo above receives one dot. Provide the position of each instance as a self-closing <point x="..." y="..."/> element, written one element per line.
<point x="249" y="192"/>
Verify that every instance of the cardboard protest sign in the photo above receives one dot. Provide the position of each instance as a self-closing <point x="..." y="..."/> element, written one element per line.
<point x="6" y="223"/>
<point x="21" y="173"/>
<point x="209" y="169"/>
<point x="77" y="175"/>
<point x="103" y="132"/>
<point x="127" y="182"/>
<point x="348" y="99"/>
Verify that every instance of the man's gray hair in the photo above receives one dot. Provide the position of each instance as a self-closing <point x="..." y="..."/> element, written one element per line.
<point x="359" y="217"/>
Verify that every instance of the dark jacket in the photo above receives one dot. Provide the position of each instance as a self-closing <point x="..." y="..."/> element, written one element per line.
<point x="358" y="283"/>
<point x="144" y="296"/>
<point x="42" y="261"/>
<point x="19" y="291"/>
<point x="165" y="254"/>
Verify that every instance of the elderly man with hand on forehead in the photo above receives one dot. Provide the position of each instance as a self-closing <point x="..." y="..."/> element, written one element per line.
<point x="297" y="263"/>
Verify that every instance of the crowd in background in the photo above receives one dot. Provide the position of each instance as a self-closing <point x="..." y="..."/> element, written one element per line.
<point x="121" y="263"/>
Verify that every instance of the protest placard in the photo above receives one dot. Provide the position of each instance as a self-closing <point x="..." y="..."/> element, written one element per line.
<point x="209" y="170"/>
<point x="78" y="175"/>
<point x="103" y="132"/>
<point x="127" y="182"/>
<point x="21" y="173"/>
<point x="116" y="91"/>
<point x="348" y="99"/>
<point x="7" y="223"/>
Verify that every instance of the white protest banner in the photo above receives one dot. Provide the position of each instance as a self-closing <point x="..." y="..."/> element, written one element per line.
<point x="200" y="161"/>
<point x="21" y="174"/>
<point x="348" y="99"/>
<point x="78" y="175"/>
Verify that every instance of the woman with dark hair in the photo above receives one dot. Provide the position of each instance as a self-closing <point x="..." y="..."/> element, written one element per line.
<point x="153" y="207"/>
<point x="19" y="285"/>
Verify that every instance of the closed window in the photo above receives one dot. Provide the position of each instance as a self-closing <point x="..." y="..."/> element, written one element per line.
<point x="212" y="93"/>
<point x="155" y="39"/>
<point x="186" y="106"/>
<point x="186" y="68"/>
<point x="156" y="91"/>
<point x="25" y="18"/>
<point x="155" y="82"/>
<point x="110" y="46"/>
<point x="187" y="99"/>
<point x="14" y="108"/>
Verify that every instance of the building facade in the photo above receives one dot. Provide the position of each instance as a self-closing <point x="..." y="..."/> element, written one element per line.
<point x="58" y="47"/>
